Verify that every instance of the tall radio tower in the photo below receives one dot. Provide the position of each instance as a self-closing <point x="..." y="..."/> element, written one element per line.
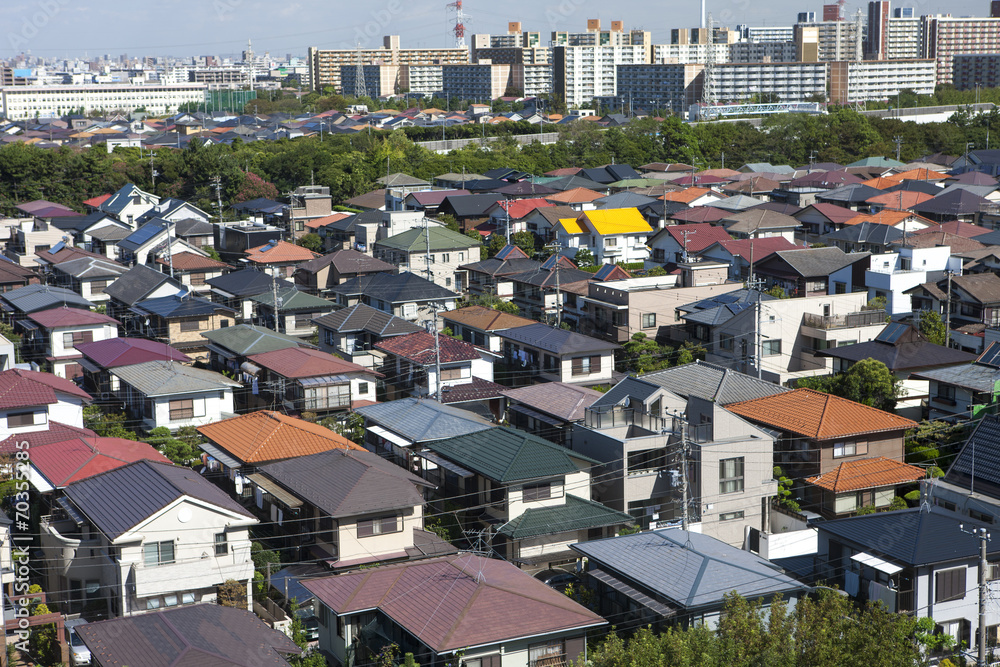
<point x="461" y="18"/>
<point x="360" y="89"/>
<point x="708" y="79"/>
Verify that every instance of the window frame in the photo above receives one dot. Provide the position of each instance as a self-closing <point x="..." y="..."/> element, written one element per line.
<point x="735" y="482"/>
<point x="147" y="548"/>
<point x="649" y="320"/>
<point x="223" y="543"/>
<point x="378" y="526"/>
<point x="950" y="584"/>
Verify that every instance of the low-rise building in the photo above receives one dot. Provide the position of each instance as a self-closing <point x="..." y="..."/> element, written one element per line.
<point x="318" y="275"/>
<point x="179" y="320"/>
<point x="541" y="353"/>
<point x="405" y="295"/>
<point x="36" y="401"/>
<point x="435" y="253"/>
<point x="294" y="314"/>
<point x="50" y="337"/>
<point x="353" y="332"/>
<point x="306" y="380"/>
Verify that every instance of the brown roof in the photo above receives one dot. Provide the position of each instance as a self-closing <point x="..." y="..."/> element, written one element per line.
<point x="867" y="474"/>
<point x="302" y="362"/>
<point x="485" y="319"/>
<point x="565" y="401"/>
<point x="282" y="252"/>
<point x="191" y="261"/>
<point x="817" y="415"/>
<point x="271" y="436"/>
<point x="418" y="347"/>
<point x="575" y="196"/>
<point x="456" y="601"/>
<point x="983" y="287"/>
<point x="935" y="238"/>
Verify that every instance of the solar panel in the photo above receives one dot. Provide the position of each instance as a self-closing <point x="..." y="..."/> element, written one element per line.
<point x="506" y="251"/>
<point x="604" y="271"/>
<point x="892" y="332"/>
<point x="991" y="356"/>
<point x="550" y="262"/>
<point x="57" y="247"/>
<point x="271" y="245"/>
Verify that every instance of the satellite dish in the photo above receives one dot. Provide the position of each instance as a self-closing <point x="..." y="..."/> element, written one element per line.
<point x="184" y="514"/>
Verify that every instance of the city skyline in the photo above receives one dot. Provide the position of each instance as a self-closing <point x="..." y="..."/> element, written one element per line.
<point x="65" y="29"/>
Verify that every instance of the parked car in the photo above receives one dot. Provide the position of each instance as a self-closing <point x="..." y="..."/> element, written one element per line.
<point x="310" y="624"/>
<point x="558" y="579"/>
<point x="79" y="654"/>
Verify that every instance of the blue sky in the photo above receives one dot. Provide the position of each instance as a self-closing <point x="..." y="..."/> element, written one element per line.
<point x="73" y="28"/>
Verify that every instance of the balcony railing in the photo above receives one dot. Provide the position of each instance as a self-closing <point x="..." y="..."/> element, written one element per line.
<point x="864" y="318"/>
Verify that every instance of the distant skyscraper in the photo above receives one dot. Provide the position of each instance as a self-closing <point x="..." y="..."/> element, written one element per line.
<point x="876" y="40"/>
<point x="995" y="9"/>
<point x="810" y="17"/>
<point x="832" y="13"/>
<point x="906" y="12"/>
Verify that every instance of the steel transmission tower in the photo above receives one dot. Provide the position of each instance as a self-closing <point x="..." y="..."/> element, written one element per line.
<point x="461" y="18"/>
<point x="360" y="89"/>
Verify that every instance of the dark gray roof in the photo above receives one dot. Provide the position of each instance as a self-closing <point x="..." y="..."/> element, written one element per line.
<point x="469" y="205"/>
<point x="247" y="339"/>
<point x="630" y="387"/>
<point x="112" y="233"/>
<point x="248" y="282"/>
<point x="362" y="317"/>
<point x="138" y="282"/>
<point x="867" y="232"/>
<point x="347" y="482"/>
<point x="499" y="267"/>
<point x="714" y="383"/>
<point x="624" y="199"/>
<point x="393" y="288"/>
<point x="193" y="227"/>
<point x="77" y="223"/>
<point x="181" y="306"/>
<point x="118" y="500"/>
<point x="32" y="298"/>
<point x="555" y="340"/>
<point x="910" y="351"/>
<point x="855" y="193"/>
<point x="958" y="201"/>
<point x="977" y="466"/>
<point x="90" y="268"/>
<point x="976" y="377"/>
<point x="917" y="537"/>
<point x="346" y="261"/>
<point x="814" y="262"/>
<point x="420" y="420"/>
<point x="689" y="570"/>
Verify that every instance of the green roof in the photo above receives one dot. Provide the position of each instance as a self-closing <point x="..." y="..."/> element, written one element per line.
<point x="247" y="339"/>
<point x="575" y="514"/>
<point x="293" y="299"/>
<point x="508" y="455"/>
<point x="414" y="240"/>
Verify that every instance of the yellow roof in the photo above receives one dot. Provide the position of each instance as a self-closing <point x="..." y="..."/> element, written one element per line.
<point x="572" y="226"/>
<point x="617" y="221"/>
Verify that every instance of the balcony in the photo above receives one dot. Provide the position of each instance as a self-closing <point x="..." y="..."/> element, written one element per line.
<point x="864" y="318"/>
<point x="169" y="578"/>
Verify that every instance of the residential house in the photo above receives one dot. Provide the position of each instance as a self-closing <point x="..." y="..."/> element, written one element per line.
<point x="295" y="312"/>
<point x="176" y="210"/>
<point x="138" y="284"/>
<point x="88" y="277"/>
<point x="488" y="276"/>
<point x="104" y="240"/>
<point x="537" y="493"/>
<point x="433" y="252"/>
<point x="128" y="204"/>
<point x="873" y="482"/>
<point x="541" y="353"/>
<point x="813" y="271"/>
<point x="611" y="235"/>
<point x="957" y="391"/>
<point x="865" y="237"/>
<point x="544" y="291"/>
<point x="634" y="433"/>
<point x="971" y="486"/>
<point x="974" y="302"/>
<point x="84" y="229"/>
<point x="715" y="383"/>
<point x="470" y="211"/>
<point x="99" y="357"/>
<point x="235" y="289"/>
<point x="905" y="352"/>
<point x="14" y="276"/>
<point x="318" y="275"/>
<point x="759" y="223"/>
<point x="8" y="354"/>
<point x="543" y="220"/>
<point x="19" y="303"/>
<point x="128" y="537"/>
<point x="673" y="577"/>
<point x="405" y="295"/>
<point x="397" y="186"/>
<point x="193" y="270"/>
<point x="548" y="410"/>
<point x="676" y="243"/>
<point x="927" y="568"/>
<point x="515" y="215"/>
<point x="307" y="380"/>
<point x="902" y="221"/>
<point x="347" y="508"/>
<point x="156" y="640"/>
<point x="895" y="274"/>
<point x="230" y="348"/>
<point x="165" y="393"/>
<point x="428" y="201"/>
<point x="819" y="434"/>
<point x="34" y="401"/>
<point x="153" y="241"/>
<point x="346" y="233"/>
<point x="50" y="336"/>
<point x="233" y="239"/>
<point x="353" y="332"/>
<point x="479" y="325"/>
<point x="742" y="254"/>
<point x="496" y="613"/>
<point x="279" y="258"/>
<point x="29" y="236"/>
<point x="179" y="320"/>
<point x="413" y="363"/>
<point x="819" y="219"/>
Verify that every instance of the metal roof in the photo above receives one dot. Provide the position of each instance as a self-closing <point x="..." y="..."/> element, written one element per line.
<point x="138" y="282"/>
<point x="978" y="464"/>
<point x="555" y="340"/>
<point x="32" y="298"/>
<point x="714" y="383"/>
<point x="292" y="298"/>
<point x="421" y="420"/>
<point x="181" y="306"/>
<point x="573" y="515"/>
<point x="362" y="317"/>
<point x="247" y="339"/>
<point x="977" y="377"/>
<point x="247" y="282"/>
<point x="164" y="378"/>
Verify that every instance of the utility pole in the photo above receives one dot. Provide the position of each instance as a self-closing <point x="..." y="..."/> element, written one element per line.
<point x="217" y="184"/>
<point x="274" y="293"/>
<point x="437" y="358"/>
<point x="898" y="140"/>
<point x="983" y="537"/>
<point x="427" y="252"/>
<point x="152" y="170"/>
<point x="947" y="314"/>
<point x="557" y="246"/>
<point x="291" y="214"/>
<point x="170" y="252"/>
<point x="685" y="522"/>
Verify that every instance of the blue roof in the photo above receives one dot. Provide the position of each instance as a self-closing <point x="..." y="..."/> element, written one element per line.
<point x="143" y="235"/>
<point x="180" y="306"/>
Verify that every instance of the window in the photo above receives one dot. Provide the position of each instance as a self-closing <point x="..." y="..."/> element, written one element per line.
<point x="191" y="325"/>
<point x="611" y="242"/>
<point x="362" y="388"/>
<point x="846" y="502"/>
<point x="73" y="338"/>
<point x="304" y="320"/>
<point x="15" y="419"/>
<point x="586" y="365"/>
<point x="532" y="492"/>
<point x="221" y="544"/>
<point x="483" y="661"/>
<point x="945" y="394"/>
<point x="170" y="600"/>
<point x="445" y="257"/>
<point x="447" y="282"/>
<point x="648" y="320"/>
<point x="451" y="374"/>
<point x="153" y="603"/>
<point x="949" y="584"/>
<point x="731" y="475"/>
<point x="731" y="516"/>
<point x="378" y="526"/>
<point x="186" y="408"/>
<point x="158" y="553"/>
<point x="551" y="363"/>
<point x="329" y="397"/>
<point x="97" y="286"/>
<point x="187" y="598"/>
<point x="547" y="654"/>
<point x="726" y="341"/>
<point x="197" y="278"/>
<point x="772" y="347"/>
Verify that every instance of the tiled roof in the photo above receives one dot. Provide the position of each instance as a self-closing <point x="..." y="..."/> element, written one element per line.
<point x="283" y="251"/>
<point x="757" y="248"/>
<point x="573" y="515"/>
<point x="977" y="465"/>
<point x="21" y="388"/>
<point x="137" y="283"/>
<point x="918" y="175"/>
<point x="203" y="634"/>
<point x="464" y="600"/>
<point x="698" y="214"/>
<point x="518" y="208"/>
<point x="182" y="305"/>
<point x="271" y="436"/>
<point x="416" y="239"/>
<point x="485" y="319"/>
<point x="61" y="463"/>
<point x="559" y="399"/>
<point x="933" y="238"/>
<point x="69" y="317"/>
<point x="575" y="196"/>
<point x="56" y="432"/>
<point x="687" y="195"/>
<point x="900" y="199"/>
<point x="163" y="378"/>
<point x="698" y="236"/>
<point x="832" y="212"/>
<point x="248" y="282"/>
<point x="888" y="217"/>
<point x="867" y="474"/>
<point x="347" y="262"/>
<point x="476" y="390"/>
<point x="362" y="317"/>
<point x="714" y="383"/>
<point x="246" y="339"/>
<point x="394" y="288"/>
<point x="555" y="340"/>
<point x="418" y="347"/>
<point x="127" y="351"/>
<point x="819" y="416"/>
<point x="292" y="298"/>
<point x="191" y="261"/>
<point x="316" y="223"/>
<point x="87" y="268"/>
<point x="301" y="362"/>
<point x="956" y="227"/>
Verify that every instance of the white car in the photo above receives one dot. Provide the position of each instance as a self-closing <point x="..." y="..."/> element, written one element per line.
<point x="79" y="654"/>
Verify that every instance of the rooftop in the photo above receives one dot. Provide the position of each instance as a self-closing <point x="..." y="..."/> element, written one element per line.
<point x="485" y="319"/>
<point x="867" y="474"/>
<point x="301" y="362"/>
<point x="164" y="378"/>
<point x="271" y="436"/>
<point x="419" y="347"/>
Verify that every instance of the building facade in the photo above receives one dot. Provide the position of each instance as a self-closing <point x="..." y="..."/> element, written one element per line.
<point x="23" y="102"/>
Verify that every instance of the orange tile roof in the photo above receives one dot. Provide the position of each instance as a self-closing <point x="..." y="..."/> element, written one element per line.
<point x="900" y="199"/>
<point x="282" y="252"/>
<point x="327" y="219"/>
<point x="271" y="436"/>
<point x="867" y="474"/>
<point x="921" y="174"/>
<point x="191" y="261"/>
<point x="518" y="208"/>
<point x="880" y="183"/>
<point x="96" y="201"/>
<point x="887" y="217"/>
<point x="485" y="319"/>
<point x="575" y="196"/>
<point x="818" y="416"/>
<point x="685" y="196"/>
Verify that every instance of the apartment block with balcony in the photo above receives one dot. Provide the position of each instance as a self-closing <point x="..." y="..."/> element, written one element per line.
<point x="789" y="81"/>
<point x="944" y="37"/>
<point x="128" y="537"/>
<point x="675" y="86"/>
<point x="871" y="80"/>
<point x="325" y="65"/>
<point x="581" y="73"/>
<point x="892" y="275"/>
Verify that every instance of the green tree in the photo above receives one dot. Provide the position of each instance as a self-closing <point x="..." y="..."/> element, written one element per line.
<point x="107" y="425"/>
<point x="451" y="223"/>
<point x="868" y="381"/>
<point x="311" y="241"/>
<point x="583" y="258"/>
<point x="526" y="241"/>
<point x="232" y="593"/>
<point x="932" y="327"/>
<point x="777" y="291"/>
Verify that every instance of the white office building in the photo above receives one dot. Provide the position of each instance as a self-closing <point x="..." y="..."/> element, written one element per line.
<point x="22" y="102"/>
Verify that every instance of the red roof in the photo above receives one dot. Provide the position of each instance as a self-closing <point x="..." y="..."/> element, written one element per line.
<point x="327" y="220"/>
<point x="418" y="347"/>
<point x="69" y="317"/>
<point x="81" y="457"/>
<point x="56" y="432"/>
<point x="518" y="208"/>
<point x="95" y="202"/>
<point x="565" y="171"/>
<point x="834" y="213"/>
<point x="759" y="248"/>
<point x="283" y="251"/>
<point x="300" y="362"/>
<point x="115" y="352"/>
<point x="192" y="261"/>
<point x="20" y="388"/>
<point x="699" y="236"/>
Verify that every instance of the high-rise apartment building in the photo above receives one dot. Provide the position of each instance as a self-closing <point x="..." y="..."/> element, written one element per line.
<point x="595" y="36"/>
<point x="877" y="37"/>
<point x="766" y="33"/>
<point x="829" y="40"/>
<point x="581" y="73"/>
<point x="762" y="52"/>
<point x="324" y="65"/>
<point x="690" y="53"/>
<point x="944" y="37"/>
<point x="674" y="87"/>
<point x="868" y="80"/>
